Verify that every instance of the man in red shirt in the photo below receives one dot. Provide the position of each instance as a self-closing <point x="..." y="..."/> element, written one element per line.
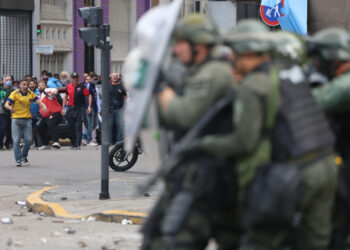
<point x="75" y="95"/>
<point x="51" y="118"/>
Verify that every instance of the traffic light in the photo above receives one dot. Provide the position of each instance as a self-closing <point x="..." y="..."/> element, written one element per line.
<point x="93" y="33"/>
<point x="38" y="29"/>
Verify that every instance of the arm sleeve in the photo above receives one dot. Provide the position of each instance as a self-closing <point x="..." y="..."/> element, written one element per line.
<point x="12" y="97"/>
<point x="248" y="123"/>
<point x="185" y="110"/>
<point x="98" y="101"/>
<point x="124" y="92"/>
<point x="333" y="97"/>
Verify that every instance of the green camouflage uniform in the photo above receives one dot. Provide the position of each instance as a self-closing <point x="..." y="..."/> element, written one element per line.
<point x="203" y="85"/>
<point x="334" y="99"/>
<point x="252" y="148"/>
<point x="250" y="145"/>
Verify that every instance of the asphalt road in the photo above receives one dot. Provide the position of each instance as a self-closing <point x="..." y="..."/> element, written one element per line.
<point x="64" y="167"/>
<point x="31" y="231"/>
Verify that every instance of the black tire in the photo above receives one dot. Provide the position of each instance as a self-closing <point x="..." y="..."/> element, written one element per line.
<point x="115" y="158"/>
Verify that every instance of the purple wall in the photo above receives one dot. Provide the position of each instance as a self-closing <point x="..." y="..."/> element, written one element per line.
<point x="142" y="7"/>
<point x="78" y="44"/>
<point x="105" y="6"/>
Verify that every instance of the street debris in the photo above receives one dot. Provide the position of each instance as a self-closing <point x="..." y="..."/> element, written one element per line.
<point x="21" y="203"/>
<point x="56" y="234"/>
<point x="43" y="240"/>
<point x="9" y="242"/>
<point x="6" y="221"/>
<point x="116" y="242"/>
<point x="82" y="244"/>
<point x="57" y="221"/>
<point x="19" y="214"/>
<point x="42" y="214"/>
<point x="91" y="218"/>
<point x="47" y="183"/>
<point x="23" y="228"/>
<point x="146" y="195"/>
<point x="69" y="230"/>
<point x="18" y="244"/>
<point x="126" y="222"/>
<point x="106" y="248"/>
<point x="39" y="218"/>
<point x="64" y="198"/>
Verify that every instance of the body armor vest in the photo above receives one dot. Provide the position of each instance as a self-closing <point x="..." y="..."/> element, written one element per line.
<point x="300" y="126"/>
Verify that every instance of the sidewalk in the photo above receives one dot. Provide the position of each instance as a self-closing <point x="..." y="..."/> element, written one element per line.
<point x="81" y="201"/>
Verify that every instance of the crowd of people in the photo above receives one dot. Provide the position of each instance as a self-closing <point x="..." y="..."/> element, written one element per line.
<point x="31" y="110"/>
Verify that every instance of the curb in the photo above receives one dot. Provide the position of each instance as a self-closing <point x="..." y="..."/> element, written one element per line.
<point x="37" y="205"/>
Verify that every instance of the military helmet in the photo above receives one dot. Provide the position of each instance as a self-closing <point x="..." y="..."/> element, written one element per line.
<point x="249" y="36"/>
<point x="289" y="45"/>
<point x="197" y="29"/>
<point x="333" y="44"/>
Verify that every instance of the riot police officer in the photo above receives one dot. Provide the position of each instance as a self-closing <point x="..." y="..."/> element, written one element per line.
<point x="331" y="56"/>
<point x="277" y="122"/>
<point x="194" y="207"/>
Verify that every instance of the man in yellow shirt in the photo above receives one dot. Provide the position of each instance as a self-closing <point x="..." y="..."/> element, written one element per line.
<point x="19" y="104"/>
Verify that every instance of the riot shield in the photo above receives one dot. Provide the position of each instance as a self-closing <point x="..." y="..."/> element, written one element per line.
<point x="143" y="64"/>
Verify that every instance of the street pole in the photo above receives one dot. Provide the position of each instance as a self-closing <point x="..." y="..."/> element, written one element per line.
<point x="105" y="63"/>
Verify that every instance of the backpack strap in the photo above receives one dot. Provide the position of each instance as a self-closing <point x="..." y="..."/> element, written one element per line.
<point x="272" y="100"/>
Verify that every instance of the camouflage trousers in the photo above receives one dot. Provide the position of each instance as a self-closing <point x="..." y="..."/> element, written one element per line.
<point x="319" y="182"/>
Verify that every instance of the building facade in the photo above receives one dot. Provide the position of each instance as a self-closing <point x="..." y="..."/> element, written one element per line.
<point x="16" y="47"/>
<point x="55" y="19"/>
<point x="21" y="52"/>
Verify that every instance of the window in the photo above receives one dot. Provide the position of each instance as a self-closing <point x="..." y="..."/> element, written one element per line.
<point x="15" y="44"/>
<point x="52" y="63"/>
<point x="88" y="3"/>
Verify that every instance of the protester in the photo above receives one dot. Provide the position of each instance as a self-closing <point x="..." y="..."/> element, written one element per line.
<point x="3" y="116"/>
<point x="117" y="95"/>
<point x="34" y="110"/>
<point x="84" y="76"/>
<point x="18" y="104"/>
<point x="15" y="84"/>
<point x="75" y="96"/>
<point x="51" y="117"/>
<point x="64" y="78"/>
<point x="92" y="117"/>
<point x="57" y="76"/>
<point x="52" y="82"/>
<point x="7" y="81"/>
<point x="28" y="78"/>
